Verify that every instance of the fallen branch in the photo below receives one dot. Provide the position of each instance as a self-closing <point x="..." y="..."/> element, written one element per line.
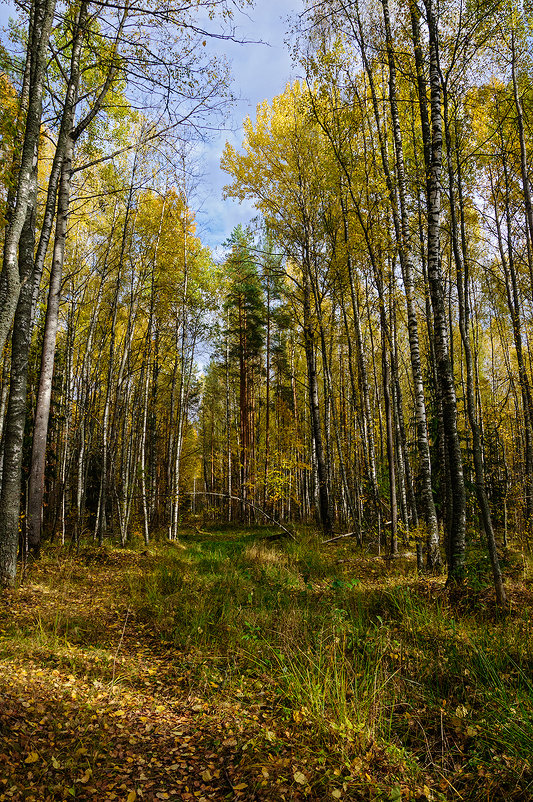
<point x="249" y="503"/>
<point x="119" y="645"/>
<point x="340" y="537"/>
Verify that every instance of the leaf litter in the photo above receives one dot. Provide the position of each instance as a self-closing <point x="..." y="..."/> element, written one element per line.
<point x="94" y="706"/>
<point x="97" y="711"/>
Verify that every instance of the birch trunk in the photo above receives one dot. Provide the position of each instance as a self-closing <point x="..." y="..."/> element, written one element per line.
<point x="457" y="542"/>
<point x="406" y="263"/>
<point x="16" y="411"/>
<point x="41" y="20"/>
<point x="42" y="412"/>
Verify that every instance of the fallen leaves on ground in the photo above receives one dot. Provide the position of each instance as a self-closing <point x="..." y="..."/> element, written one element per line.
<point x="99" y="710"/>
<point x="94" y="706"/>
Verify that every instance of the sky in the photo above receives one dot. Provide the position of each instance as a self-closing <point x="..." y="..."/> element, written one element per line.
<point x="260" y="71"/>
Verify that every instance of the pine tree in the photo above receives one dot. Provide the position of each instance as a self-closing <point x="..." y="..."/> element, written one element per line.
<point x="245" y="309"/>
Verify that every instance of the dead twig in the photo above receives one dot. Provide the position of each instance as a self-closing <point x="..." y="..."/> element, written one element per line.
<point x="340" y="537"/>
<point x="119" y="644"/>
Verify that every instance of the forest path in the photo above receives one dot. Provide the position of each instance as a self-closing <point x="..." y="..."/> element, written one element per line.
<point x="234" y="668"/>
<point x="111" y="716"/>
<point x="94" y="707"/>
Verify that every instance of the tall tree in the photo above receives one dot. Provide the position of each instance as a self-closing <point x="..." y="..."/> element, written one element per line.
<point x="246" y="328"/>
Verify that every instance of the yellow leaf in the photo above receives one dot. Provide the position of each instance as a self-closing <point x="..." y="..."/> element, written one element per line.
<point x="132" y="796"/>
<point x="206" y="775"/>
<point x="86" y="777"/>
<point x="240" y="786"/>
<point x="336" y="793"/>
<point x="55" y="763"/>
<point x="33" y="757"/>
<point x="300" y="778"/>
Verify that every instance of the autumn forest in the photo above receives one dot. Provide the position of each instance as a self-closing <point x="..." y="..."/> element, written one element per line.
<point x="292" y="476"/>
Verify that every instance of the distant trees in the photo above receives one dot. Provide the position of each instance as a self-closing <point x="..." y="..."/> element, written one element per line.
<point x="245" y="320"/>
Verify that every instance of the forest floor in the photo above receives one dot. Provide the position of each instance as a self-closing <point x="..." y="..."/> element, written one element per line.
<point x="230" y="667"/>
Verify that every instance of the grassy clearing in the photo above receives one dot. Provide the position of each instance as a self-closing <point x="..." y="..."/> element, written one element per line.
<point x="326" y="674"/>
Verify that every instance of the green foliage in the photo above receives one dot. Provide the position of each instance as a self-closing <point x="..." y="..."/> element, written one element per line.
<point x="244" y="303"/>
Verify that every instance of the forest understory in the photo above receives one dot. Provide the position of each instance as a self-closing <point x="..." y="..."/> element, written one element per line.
<point x="232" y="666"/>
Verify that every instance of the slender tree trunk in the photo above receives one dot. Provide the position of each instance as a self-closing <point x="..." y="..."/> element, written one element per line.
<point x="328" y="391"/>
<point x="513" y="303"/>
<point x="461" y="265"/>
<point x="406" y="263"/>
<point x="149" y="348"/>
<point x="182" y="396"/>
<point x="42" y="412"/>
<point x="68" y="395"/>
<point x="436" y="282"/>
<point x="145" y="373"/>
<point x="153" y="433"/>
<point x="101" y="522"/>
<point x="526" y="188"/>
<point x="314" y="406"/>
<point x="41" y="20"/>
<point x="385" y="370"/>
<point x="412" y="512"/>
<point x="228" y="428"/>
<point x="16" y="411"/>
<point x="84" y="394"/>
<point x="171" y="433"/>
<point x="267" y="401"/>
<point x="244" y="411"/>
<point x="368" y="438"/>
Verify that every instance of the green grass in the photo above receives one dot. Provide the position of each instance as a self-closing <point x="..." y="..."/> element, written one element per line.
<point x="357" y="654"/>
<point x="360" y="665"/>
